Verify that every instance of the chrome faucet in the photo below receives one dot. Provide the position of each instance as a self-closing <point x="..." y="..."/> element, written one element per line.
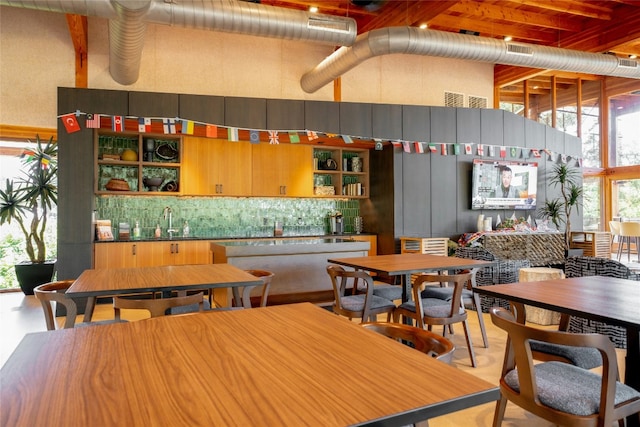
<point x="168" y="214"/>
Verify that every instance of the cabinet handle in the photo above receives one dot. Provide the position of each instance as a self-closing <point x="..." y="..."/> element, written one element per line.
<point x="171" y="248"/>
<point x="177" y="248"/>
<point x="221" y="189"/>
<point x="133" y="249"/>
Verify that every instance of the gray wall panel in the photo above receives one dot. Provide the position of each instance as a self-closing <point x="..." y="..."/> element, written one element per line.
<point x="355" y="119"/>
<point x="416" y="123"/>
<point x="284" y="114"/>
<point x="322" y="116"/>
<point x="246" y="113"/>
<point x="150" y="104"/>
<point x="202" y="108"/>
<point x="387" y="121"/>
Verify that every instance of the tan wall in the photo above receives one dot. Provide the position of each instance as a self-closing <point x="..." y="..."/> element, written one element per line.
<point x="36" y="57"/>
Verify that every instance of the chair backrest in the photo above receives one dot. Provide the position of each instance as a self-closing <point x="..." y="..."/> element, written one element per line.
<point x="458" y="282"/>
<point x="422" y="340"/>
<point x="630" y="229"/>
<point x="157" y="306"/>
<point x="51" y="292"/>
<point x="518" y="356"/>
<point x="342" y="280"/>
<point x="614" y="227"/>
<point x="266" y="277"/>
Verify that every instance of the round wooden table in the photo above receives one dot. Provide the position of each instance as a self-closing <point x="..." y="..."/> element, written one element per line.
<point x="534" y="274"/>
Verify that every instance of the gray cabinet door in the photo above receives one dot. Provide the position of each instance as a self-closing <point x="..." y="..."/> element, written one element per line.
<point x="416" y="123"/>
<point x="202" y="108"/>
<point x="386" y="121"/>
<point x="285" y="114"/>
<point x="148" y="104"/>
<point x="416" y="195"/>
<point x="355" y="119"/>
<point x="322" y="116"/>
<point x="247" y="113"/>
<point x="75" y="176"/>
<point x="513" y="130"/>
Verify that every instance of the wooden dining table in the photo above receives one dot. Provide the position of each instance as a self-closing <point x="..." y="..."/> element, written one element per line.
<point x="94" y="283"/>
<point x="286" y="365"/>
<point x="404" y="265"/>
<point x="605" y="299"/>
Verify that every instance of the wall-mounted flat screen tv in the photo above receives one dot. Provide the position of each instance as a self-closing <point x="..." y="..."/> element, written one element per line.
<point x="506" y="185"/>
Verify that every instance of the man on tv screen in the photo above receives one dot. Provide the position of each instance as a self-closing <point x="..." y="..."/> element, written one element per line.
<point x="505" y="189"/>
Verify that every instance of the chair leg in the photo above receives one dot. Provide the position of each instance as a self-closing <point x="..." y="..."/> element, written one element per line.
<point x="476" y="303"/>
<point x="498" y="415"/>
<point x="467" y="334"/>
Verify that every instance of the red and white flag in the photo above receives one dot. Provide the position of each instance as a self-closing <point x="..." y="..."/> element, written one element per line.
<point x="117" y="123"/>
<point x="406" y="146"/>
<point x="536" y="153"/>
<point x="480" y="150"/>
<point x="443" y="149"/>
<point x="70" y="122"/>
<point x="273" y="137"/>
<point x="144" y="124"/>
<point x="419" y="147"/>
<point x="311" y="134"/>
<point x="503" y="151"/>
<point x="93" y="121"/>
<point x="467" y="149"/>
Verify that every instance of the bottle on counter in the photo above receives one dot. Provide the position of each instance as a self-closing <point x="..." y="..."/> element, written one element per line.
<point x="136" y="230"/>
<point x="158" y="232"/>
<point x="185" y="229"/>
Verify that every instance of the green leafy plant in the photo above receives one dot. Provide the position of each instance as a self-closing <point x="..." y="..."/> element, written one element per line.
<point x="28" y="199"/>
<point x="559" y="210"/>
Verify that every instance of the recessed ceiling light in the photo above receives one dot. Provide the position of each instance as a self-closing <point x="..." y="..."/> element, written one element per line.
<point x="423" y="26"/>
<point x="633" y="56"/>
<point x="313" y="9"/>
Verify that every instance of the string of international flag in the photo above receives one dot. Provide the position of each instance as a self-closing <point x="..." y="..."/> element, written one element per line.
<point x="173" y="126"/>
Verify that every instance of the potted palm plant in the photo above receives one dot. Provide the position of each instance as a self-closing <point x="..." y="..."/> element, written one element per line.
<point x="28" y="200"/>
<point x="559" y="210"/>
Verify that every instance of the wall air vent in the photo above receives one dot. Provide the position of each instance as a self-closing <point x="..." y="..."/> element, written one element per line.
<point x="452" y="99"/>
<point x="478" y="102"/>
<point x="336" y="26"/>
<point x="518" y="49"/>
<point x="627" y="63"/>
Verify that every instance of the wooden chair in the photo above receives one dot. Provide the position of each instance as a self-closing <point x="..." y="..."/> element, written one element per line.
<point x="629" y="232"/>
<point x="266" y="277"/>
<point x="470" y="299"/>
<point x="427" y="342"/>
<point x="51" y="292"/>
<point x="158" y="306"/>
<point x="614" y="227"/>
<point x="364" y="305"/>
<point x="561" y="393"/>
<point x="435" y="311"/>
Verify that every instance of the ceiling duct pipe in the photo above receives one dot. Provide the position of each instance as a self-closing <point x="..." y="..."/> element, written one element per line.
<point x="128" y="19"/>
<point x="416" y="41"/>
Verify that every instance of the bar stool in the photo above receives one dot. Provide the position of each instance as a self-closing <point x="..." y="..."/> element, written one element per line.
<point x="629" y="232"/>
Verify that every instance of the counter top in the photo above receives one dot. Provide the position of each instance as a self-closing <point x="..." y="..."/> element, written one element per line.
<point x="279" y="246"/>
<point x="239" y="240"/>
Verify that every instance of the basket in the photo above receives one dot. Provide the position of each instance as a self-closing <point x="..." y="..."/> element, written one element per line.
<point x="117" y="184"/>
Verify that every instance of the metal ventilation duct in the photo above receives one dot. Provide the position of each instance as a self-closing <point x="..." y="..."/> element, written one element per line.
<point x="415" y="41"/>
<point x="128" y="19"/>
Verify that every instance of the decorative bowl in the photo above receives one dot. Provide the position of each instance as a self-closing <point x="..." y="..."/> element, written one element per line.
<point x="117" y="184"/>
<point x="153" y="183"/>
<point x="166" y="151"/>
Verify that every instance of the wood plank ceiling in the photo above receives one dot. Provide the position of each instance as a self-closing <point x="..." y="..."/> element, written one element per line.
<point x="592" y="26"/>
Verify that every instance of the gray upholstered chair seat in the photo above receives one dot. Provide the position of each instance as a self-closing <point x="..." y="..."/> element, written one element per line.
<point x="570" y="389"/>
<point x="444" y="293"/>
<point x="432" y="307"/>
<point x="356" y="302"/>
<point x="192" y="308"/>
<point x="583" y="357"/>
<point x="389" y="292"/>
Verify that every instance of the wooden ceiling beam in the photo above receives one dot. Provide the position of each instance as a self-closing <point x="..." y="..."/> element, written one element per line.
<point x="398" y="13"/>
<point x="78" y="30"/>
<point x="491" y="12"/>
<point x="490" y="29"/>
<point x="588" y="9"/>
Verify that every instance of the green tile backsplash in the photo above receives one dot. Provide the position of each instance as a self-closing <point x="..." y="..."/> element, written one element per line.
<point x="227" y="217"/>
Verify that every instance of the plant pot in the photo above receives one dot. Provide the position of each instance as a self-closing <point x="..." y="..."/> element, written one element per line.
<point x="30" y="275"/>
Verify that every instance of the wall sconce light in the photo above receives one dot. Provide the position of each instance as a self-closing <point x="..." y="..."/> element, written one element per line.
<point x="313" y="9"/>
<point x="508" y="38"/>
